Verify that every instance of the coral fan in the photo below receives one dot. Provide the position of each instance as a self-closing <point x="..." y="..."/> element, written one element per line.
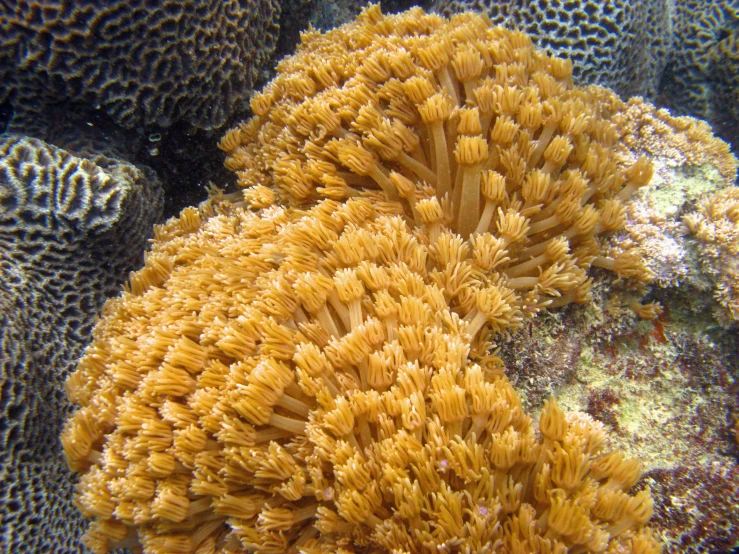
<point x="195" y="60"/>
<point x="70" y="228"/>
<point x="308" y="366"/>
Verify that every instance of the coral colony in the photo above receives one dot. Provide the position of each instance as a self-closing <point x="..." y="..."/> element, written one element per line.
<point x="81" y="54"/>
<point x="308" y="365"/>
<point x="683" y="52"/>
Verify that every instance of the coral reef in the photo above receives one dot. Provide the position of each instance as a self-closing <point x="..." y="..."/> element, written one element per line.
<point x="677" y="374"/>
<point x="196" y="61"/>
<point x="307" y="365"/>
<point x="669" y="141"/>
<point x="616" y="43"/>
<point x="70" y="229"/>
<point x="710" y="520"/>
<point x="682" y="222"/>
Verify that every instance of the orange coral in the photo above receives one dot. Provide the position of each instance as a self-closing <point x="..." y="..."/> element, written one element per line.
<point x="300" y="380"/>
<point x="309" y="369"/>
<point x="472" y="118"/>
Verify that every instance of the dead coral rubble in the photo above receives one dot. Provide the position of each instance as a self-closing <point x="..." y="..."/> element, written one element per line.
<point x="308" y="366"/>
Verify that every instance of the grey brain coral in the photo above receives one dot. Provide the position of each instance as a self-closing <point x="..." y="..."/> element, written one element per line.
<point x="615" y="43"/>
<point x="70" y="230"/>
<point x="192" y="61"/>
<point x="702" y="76"/>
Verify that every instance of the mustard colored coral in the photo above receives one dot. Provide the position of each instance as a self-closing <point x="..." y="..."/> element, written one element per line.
<point x="308" y="368"/>
<point x="469" y="117"/>
<point x="679" y="141"/>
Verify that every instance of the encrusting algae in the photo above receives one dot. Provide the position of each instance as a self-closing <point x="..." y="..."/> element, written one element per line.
<point x="308" y="367"/>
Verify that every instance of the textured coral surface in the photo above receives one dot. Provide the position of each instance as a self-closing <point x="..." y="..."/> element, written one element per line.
<point x="308" y="364"/>
<point x="70" y="229"/>
<point x="145" y="62"/>
<point x="702" y="76"/>
<point x="686" y="222"/>
<point x="715" y="226"/>
<point x="678" y="374"/>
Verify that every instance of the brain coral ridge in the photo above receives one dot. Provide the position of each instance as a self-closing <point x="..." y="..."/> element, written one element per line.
<point x="194" y="61"/>
<point x="70" y="229"/>
<point x="306" y="366"/>
<point x="702" y="75"/>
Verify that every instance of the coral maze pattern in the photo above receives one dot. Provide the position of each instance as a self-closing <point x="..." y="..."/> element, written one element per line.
<point x="306" y="366"/>
<point x="70" y="229"/>
<point x="702" y="78"/>
<point x="195" y="61"/>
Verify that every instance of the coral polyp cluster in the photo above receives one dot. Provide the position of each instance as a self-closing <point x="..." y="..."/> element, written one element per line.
<point x="308" y="367"/>
<point x="467" y="128"/>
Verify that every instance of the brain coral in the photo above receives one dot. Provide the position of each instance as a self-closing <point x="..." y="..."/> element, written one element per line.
<point x="703" y="74"/>
<point x="194" y="61"/>
<point x="69" y="229"/>
<point x="616" y="43"/>
<point x="307" y="366"/>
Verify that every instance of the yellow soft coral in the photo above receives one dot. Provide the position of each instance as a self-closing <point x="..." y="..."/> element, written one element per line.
<point x="309" y="369"/>
<point x="300" y="380"/>
<point x="464" y="127"/>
